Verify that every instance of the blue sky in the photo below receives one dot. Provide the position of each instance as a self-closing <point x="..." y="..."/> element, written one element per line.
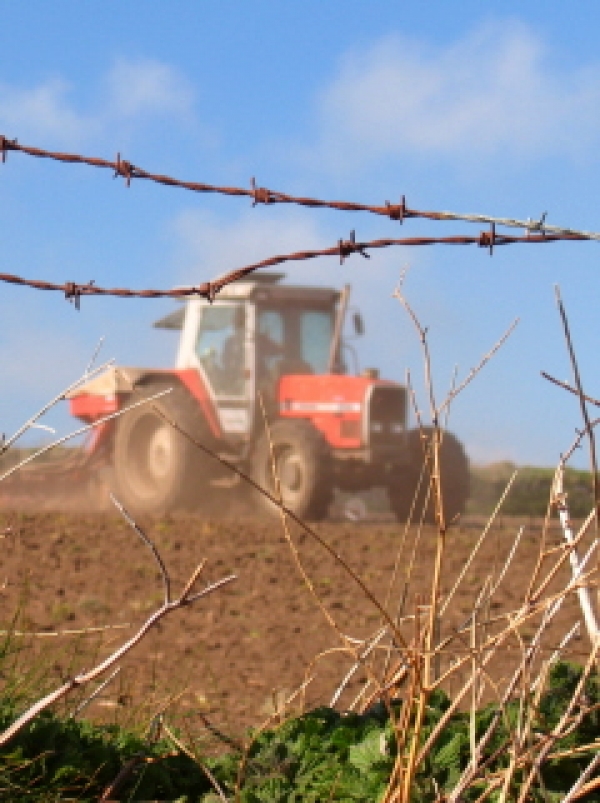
<point x="488" y="108"/>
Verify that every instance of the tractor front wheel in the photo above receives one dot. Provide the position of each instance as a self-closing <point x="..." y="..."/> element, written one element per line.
<point x="294" y="456"/>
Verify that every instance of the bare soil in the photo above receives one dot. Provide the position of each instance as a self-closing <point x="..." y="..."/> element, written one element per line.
<point x="229" y="660"/>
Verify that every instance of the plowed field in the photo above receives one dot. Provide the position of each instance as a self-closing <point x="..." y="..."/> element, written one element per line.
<point x="231" y="658"/>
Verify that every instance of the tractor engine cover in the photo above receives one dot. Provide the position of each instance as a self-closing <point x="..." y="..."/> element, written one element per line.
<point x="355" y="414"/>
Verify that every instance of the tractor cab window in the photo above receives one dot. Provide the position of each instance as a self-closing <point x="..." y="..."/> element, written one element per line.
<point x="316" y="331"/>
<point x="270" y="344"/>
<point x="292" y="340"/>
<point x="220" y="347"/>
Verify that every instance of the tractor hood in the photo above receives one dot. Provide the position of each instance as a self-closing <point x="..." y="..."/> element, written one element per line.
<point x="350" y="411"/>
<point x="326" y="393"/>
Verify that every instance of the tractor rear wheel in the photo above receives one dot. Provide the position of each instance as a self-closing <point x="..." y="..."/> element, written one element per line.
<point x="156" y="468"/>
<point x="409" y="489"/>
<point x="297" y="455"/>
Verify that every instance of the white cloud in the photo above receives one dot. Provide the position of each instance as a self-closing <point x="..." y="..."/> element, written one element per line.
<point x="43" y="111"/>
<point x="495" y="91"/>
<point x="137" y="88"/>
<point x="210" y="245"/>
<point x="128" y="93"/>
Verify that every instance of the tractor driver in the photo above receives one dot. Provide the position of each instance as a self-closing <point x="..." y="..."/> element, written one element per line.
<point x="233" y="361"/>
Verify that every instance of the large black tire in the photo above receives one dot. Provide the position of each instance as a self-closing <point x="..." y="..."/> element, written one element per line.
<point x="302" y="465"/>
<point x="404" y="488"/>
<point x="156" y="468"/>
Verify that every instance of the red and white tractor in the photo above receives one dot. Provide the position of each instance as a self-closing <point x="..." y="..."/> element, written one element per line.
<point x="325" y="427"/>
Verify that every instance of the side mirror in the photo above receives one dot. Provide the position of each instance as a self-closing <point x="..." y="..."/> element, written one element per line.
<point x="359" y="326"/>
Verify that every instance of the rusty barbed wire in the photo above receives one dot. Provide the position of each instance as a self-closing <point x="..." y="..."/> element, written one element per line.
<point x="344" y="248"/>
<point x="536" y="231"/>
<point x="263" y="195"/>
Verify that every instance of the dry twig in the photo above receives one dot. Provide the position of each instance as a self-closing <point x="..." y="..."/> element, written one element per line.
<point x="187" y="597"/>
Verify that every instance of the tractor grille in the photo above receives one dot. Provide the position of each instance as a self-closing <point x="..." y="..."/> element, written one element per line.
<point x="385" y="416"/>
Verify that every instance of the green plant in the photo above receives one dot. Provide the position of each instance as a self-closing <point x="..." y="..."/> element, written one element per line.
<point x="322" y="755"/>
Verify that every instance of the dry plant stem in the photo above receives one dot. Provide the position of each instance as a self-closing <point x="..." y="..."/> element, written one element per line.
<point x="413" y="554"/>
<point x="432" y="458"/>
<point x="474" y="371"/>
<point x="566" y="386"/>
<point x="144" y="538"/>
<point x="400" y="550"/>
<point x="543" y="550"/>
<point x="220" y="735"/>
<point x="564" y="556"/>
<point x="577" y="789"/>
<point x="296" y="519"/>
<point x="474" y="687"/>
<point x="368" y="649"/>
<point x="61" y="396"/>
<point x="563" y="643"/>
<point x="585" y="790"/>
<point x="585" y="602"/>
<point x="411" y="562"/>
<point x="488" y="649"/>
<point x="590" y="747"/>
<point x="577" y="442"/>
<point x="60" y="633"/>
<point x="584" y="412"/>
<point x="480" y="540"/>
<point x="523" y="735"/>
<point x="168" y="606"/>
<point x="81" y="431"/>
<point x="182" y="747"/>
<point x="471" y="772"/>
<point x="549" y="607"/>
<point x="300" y="566"/>
<point x="113" y="789"/>
<point x="558" y="730"/>
<point x="485" y="597"/>
<point x="98" y="691"/>
<point x="591" y="517"/>
<point x="94" y="357"/>
<point x="402" y="729"/>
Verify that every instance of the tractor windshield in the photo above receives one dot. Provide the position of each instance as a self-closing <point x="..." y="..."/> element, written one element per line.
<point x="287" y="340"/>
<point x="292" y="340"/>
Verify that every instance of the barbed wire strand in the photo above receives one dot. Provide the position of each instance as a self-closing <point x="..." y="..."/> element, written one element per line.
<point x="210" y="289"/>
<point x="263" y="195"/>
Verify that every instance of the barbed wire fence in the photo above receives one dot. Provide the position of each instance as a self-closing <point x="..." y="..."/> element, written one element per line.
<point x="536" y="231"/>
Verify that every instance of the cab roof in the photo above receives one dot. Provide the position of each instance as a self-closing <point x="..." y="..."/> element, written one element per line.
<point x="260" y="287"/>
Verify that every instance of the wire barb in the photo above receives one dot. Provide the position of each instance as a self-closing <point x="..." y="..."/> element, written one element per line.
<point x="347" y="247"/>
<point x="73" y="294"/>
<point x="488" y="239"/>
<point x="260" y="195"/>
<point x="7" y="145"/>
<point x="537" y="225"/>
<point x="125" y="169"/>
<point x="397" y="211"/>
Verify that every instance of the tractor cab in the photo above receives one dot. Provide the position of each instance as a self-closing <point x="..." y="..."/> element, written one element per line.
<point x="256" y="333"/>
